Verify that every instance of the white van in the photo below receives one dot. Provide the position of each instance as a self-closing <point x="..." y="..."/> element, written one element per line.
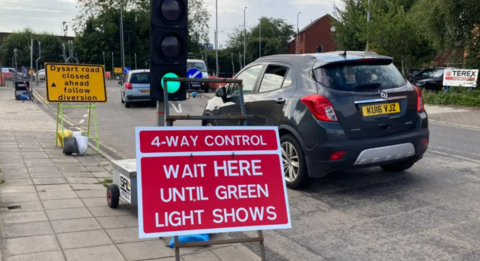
<point x="199" y="64"/>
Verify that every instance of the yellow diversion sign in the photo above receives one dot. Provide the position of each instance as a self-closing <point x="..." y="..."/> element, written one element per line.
<point x="75" y="83"/>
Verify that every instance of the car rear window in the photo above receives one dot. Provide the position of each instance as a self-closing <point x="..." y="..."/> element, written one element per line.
<point x="368" y="76"/>
<point x="143" y="78"/>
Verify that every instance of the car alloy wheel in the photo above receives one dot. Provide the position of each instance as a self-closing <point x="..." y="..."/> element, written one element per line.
<point x="291" y="163"/>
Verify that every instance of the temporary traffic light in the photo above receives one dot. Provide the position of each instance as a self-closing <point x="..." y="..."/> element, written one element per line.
<point x="168" y="47"/>
<point x="35" y="47"/>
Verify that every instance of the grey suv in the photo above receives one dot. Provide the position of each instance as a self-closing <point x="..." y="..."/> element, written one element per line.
<point x="335" y="111"/>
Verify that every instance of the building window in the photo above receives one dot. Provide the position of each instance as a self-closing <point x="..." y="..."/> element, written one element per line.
<point x="301" y="38"/>
<point x="320" y="49"/>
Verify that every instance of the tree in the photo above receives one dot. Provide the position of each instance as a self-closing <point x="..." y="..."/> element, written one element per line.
<point x="276" y="34"/>
<point x="394" y="32"/>
<point x="51" y="47"/>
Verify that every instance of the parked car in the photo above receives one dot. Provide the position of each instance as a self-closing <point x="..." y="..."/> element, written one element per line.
<point x="136" y="87"/>
<point x="414" y="72"/>
<point x="199" y="64"/>
<point x="334" y="112"/>
<point x="429" y="79"/>
<point x="41" y="74"/>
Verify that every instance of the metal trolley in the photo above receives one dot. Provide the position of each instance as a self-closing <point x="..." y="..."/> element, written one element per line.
<point x="124" y="182"/>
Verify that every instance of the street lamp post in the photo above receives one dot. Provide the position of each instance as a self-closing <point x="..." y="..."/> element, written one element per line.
<point x="135" y="61"/>
<point x="216" y="37"/>
<point x="244" y="35"/>
<point x="122" y="54"/>
<point x="104" y="64"/>
<point x="368" y="20"/>
<point x="296" y="40"/>
<point x="260" y="40"/>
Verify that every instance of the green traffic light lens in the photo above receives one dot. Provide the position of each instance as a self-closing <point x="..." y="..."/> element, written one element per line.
<point x="172" y="87"/>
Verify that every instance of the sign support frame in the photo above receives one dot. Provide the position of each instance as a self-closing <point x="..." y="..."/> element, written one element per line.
<point x="91" y="106"/>
<point x="242" y="119"/>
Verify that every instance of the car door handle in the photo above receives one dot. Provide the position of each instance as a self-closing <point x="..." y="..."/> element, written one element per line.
<point x="280" y="101"/>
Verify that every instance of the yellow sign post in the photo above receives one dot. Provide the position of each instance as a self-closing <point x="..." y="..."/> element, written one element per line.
<point x="117" y="70"/>
<point x="76" y="83"/>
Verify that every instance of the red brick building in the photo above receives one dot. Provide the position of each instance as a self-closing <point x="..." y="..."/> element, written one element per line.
<point x="315" y="37"/>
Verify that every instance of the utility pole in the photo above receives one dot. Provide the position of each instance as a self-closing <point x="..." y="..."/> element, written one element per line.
<point x="38" y="59"/>
<point x="113" y="66"/>
<point x="240" y="61"/>
<point x="244" y="35"/>
<point x="233" y="67"/>
<point x="368" y="20"/>
<point x="31" y="57"/>
<point x="135" y="61"/>
<point x="104" y="64"/>
<point x="260" y="40"/>
<point x="296" y="39"/>
<point x="122" y="54"/>
<point x="216" y="38"/>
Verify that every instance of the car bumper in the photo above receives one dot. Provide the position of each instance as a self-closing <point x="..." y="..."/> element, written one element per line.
<point x="367" y="153"/>
<point x="138" y="98"/>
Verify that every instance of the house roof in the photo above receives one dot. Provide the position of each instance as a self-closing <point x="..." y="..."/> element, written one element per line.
<point x="314" y="22"/>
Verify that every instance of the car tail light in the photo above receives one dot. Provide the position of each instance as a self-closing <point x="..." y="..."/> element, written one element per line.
<point x="320" y="107"/>
<point x="420" y="103"/>
<point x="425" y="142"/>
<point x="128" y="86"/>
<point x="337" y="155"/>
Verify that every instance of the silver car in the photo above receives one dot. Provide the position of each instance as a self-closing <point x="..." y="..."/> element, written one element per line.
<point x="136" y="87"/>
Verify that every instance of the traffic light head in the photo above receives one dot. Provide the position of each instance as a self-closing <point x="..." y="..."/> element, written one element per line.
<point x="35" y="47"/>
<point x="168" y="47"/>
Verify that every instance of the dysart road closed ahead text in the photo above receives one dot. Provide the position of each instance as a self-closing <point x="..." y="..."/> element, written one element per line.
<point x="75" y="83"/>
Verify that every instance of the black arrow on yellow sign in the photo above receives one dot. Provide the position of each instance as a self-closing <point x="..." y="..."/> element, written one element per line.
<point x="53" y="85"/>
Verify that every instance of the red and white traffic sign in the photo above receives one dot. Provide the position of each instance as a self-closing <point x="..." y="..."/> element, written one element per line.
<point x="200" y="180"/>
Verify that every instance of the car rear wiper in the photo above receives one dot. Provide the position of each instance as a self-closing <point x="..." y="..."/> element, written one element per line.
<point x="367" y="87"/>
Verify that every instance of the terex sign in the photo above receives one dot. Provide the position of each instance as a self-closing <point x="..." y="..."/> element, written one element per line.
<point x="460" y="78"/>
<point x="209" y="180"/>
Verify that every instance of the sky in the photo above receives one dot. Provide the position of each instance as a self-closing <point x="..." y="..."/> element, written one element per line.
<point x="48" y="15"/>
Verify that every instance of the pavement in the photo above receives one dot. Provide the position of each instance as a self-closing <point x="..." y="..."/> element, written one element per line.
<point x="430" y="212"/>
<point x="53" y="207"/>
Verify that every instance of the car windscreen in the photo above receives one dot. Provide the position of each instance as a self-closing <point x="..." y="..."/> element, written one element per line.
<point x="199" y="65"/>
<point x="433" y="73"/>
<point x="360" y="76"/>
<point x="141" y="78"/>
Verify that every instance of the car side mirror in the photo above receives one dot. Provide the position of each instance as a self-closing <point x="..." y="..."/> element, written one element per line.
<point x="221" y="92"/>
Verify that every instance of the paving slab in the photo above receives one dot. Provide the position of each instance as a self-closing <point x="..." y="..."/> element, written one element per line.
<point x="79" y="180"/>
<point x="44" y="256"/>
<point x="27" y="245"/>
<point x="46" y="175"/>
<point x="53" y="188"/>
<point x="17" y="207"/>
<point x="88" y="187"/>
<point x="145" y="250"/>
<point x="27" y="229"/>
<point x="74" y="225"/>
<point x="57" y="195"/>
<point x="103" y="253"/>
<point x="91" y="193"/>
<point x="17" y="189"/>
<point x="34" y="169"/>
<point x="83" y="239"/>
<point x="71" y="213"/>
<point x="49" y="181"/>
<point x="125" y="235"/>
<point x="63" y="203"/>
<point x="24" y="217"/>
<point x="24" y="197"/>
<point x="16" y="182"/>
<point x="110" y="222"/>
<point x="109" y="212"/>
<point x="95" y="202"/>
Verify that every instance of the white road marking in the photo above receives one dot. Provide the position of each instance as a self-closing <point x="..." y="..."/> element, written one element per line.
<point x="179" y="110"/>
<point x="85" y="116"/>
<point x="82" y="121"/>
